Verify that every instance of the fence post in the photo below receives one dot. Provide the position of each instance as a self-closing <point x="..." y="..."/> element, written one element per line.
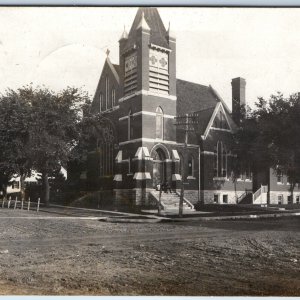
<point x="28" y="206"/>
<point x="8" y="204"/>
<point x="38" y="205"/>
<point x="16" y="201"/>
<point x="3" y="202"/>
<point x="22" y="203"/>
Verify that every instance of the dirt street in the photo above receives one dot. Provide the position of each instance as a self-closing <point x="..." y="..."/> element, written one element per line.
<point x="61" y="256"/>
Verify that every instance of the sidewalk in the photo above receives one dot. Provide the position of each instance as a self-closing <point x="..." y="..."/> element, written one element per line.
<point x="150" y="216"/>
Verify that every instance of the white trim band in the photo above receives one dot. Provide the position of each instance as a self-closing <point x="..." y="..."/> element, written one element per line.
<point x="156" y="141"/>
<point x="147" y="93"/>
<point x="147" y="113"/>
<point x="141" y="175"/>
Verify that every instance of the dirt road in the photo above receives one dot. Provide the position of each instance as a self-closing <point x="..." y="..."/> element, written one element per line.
<point x="71" y="256"/>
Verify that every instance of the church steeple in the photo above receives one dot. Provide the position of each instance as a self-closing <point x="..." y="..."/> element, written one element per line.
<point x="149" y="17"/>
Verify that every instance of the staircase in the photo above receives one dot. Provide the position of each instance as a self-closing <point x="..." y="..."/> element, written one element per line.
<point x="170" y="202"/>
<point x="260" y="196"/>
<point x="245" y="198"/>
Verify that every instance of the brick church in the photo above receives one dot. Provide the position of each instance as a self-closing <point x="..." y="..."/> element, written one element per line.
<point x="161" y="128"/>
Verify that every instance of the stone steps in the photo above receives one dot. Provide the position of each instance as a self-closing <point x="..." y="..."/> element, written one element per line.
<point x="170" y="201"/>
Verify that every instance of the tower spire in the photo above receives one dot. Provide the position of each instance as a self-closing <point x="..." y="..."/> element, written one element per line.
<point x="170" y="33"/>
<point x="124" y="35"/>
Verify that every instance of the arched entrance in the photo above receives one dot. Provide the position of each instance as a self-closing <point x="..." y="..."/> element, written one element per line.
<point x="159" y="166"/>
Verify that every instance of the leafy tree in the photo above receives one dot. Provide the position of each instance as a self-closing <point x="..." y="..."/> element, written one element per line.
<point x="269" y="137"/>
<point x="42" y="131"/>
<point x="14" y="137"/>
<point x="54" y="130"/>
<point x="279" y="125"/>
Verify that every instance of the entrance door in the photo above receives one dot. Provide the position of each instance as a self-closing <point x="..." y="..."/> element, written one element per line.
<point x="159" y="174"/>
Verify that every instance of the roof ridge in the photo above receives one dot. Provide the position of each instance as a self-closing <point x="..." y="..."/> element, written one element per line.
<point x="193" y="82"/>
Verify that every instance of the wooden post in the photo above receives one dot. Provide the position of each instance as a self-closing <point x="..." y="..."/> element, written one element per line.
<point x="38" y="205"/>
<point x="3" y="202"/>
<point x="16" y="201"/>
<point x="8" y="204"/>
<point x="22" y="203"/>
<point x="28" y="205"/>
<point x="159" y="201"/>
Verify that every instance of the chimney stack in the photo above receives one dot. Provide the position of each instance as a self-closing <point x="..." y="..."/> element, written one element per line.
<point x="238" y="98"/>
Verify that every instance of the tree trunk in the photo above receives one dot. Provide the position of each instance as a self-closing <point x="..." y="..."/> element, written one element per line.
<point x="181" y="200"/>
<point x="4" y="190"/>
<point x="292" y="192"/>
<point x="22" y="186"/>
<point x="46" y="189"/>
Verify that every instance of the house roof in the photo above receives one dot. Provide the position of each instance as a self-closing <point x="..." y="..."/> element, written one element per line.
<point x="158" y="32"/>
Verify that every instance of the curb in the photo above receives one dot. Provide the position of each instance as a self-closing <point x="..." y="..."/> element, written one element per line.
<point x="239" y="217"/>
<point x="121" y="220"/>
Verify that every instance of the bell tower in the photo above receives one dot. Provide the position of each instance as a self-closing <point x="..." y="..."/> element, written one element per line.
<point x="147" y="104"/>
<point x="148" y="55"/>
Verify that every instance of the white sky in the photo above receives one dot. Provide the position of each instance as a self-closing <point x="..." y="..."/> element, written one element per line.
<point x="65" y="46"/>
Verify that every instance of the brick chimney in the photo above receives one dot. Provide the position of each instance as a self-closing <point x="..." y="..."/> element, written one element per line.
<point x="238" y="98"/>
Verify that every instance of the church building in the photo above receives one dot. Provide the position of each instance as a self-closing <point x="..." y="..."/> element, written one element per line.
<point x="164" y="129"/>
<point x="161" y="129"/>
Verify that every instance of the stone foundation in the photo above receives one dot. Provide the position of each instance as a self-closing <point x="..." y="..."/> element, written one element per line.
<point x="138" y="197"/>
<point x="208" y="196"/>
<point x="274" y="199"/>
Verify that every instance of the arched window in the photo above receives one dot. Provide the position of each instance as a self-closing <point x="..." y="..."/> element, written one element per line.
<point x="106" y="151"/>
<point x="113" y="97"/>
<point x="215" y="161"/>
<point x="130" y="127"/>
<point x="220" y="161"/>
<point x="159" y="123"/>
<point x="191" y="164"/>
<point x="101" y="108"/>
<point x="108" y="103"/>
<point x="224" y="161"/>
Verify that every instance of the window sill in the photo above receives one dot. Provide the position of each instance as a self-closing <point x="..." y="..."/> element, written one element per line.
<point x="191" y="177"/>
<point x="280" y="183"/>
<point x="130" y="174"/>
<point x="221" y="178"/>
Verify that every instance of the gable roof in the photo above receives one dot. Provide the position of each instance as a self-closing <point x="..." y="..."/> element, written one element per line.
<point x="192" y="97"/>
<point x="117" y="68"/>
<point x="202" y="100"/>
<point x="158" y="32"/>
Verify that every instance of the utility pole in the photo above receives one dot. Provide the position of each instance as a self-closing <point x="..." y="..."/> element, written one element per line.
<point x="187" y="123"/>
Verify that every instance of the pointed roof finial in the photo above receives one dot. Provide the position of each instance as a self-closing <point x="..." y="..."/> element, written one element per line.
<point x="107" y="52"/>
<point x="169" y="32"/>
<point x="124" y="35"/>
<point x="143" y="23"/>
